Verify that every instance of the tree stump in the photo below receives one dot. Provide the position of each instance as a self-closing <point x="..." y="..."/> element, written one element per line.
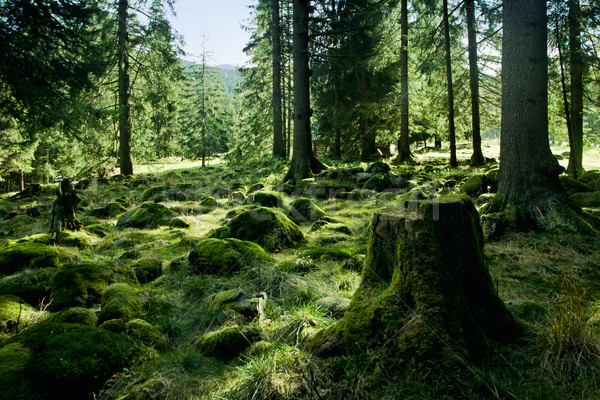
<point x="426" y="296"/>
<point x="63" y="210"/>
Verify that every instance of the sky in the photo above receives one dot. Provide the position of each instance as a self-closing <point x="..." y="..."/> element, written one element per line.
<point x="220" y="21"/>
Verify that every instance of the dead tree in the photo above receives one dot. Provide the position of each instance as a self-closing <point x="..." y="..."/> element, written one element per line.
<point x="64" y="207"/>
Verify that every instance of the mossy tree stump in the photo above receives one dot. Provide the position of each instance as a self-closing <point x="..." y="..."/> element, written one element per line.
<point x="63" y="210"/>
<point x="426" y="296"/>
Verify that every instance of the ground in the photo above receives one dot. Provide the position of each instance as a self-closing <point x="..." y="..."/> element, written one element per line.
<point x="549" y="281"/>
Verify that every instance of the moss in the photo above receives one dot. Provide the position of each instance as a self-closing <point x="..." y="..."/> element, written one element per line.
<point x="32" y="285"/>
<point x="76" y="315"/>
<point x="139" y="330"/>
<point x="475" y="185"/>
<point x="21" y="225"/>
<point x="572" y="185"/>
<point x="304" y="209"/>
<point x="227" y="343"/>
<point x="152" y="192"/>
<point x="268" y="227"/>
<point x="14" y="310"/>
<point x="327" y="253"/>
<point x="225" y="256"/>
<point x="325" y="227"/>
<point x="147" y="270"/>
<point x="586" y="199"/>
<point x="179" y="222"/>
<point x="83" y="284"/>
<point x="266" y="199"/>
<point x="114" y="325"/>
<point x="111" y="210"/>
<point x="147" y="216"/>
<point x="378" y="183"/>
<point x="119" y="301"/>
<point x="58" y="361"/>
<point x="79" y="239"/>
<point x="32" y="255"/>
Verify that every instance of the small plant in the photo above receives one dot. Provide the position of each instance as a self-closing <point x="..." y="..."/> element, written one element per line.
<point x="569" y="343"/>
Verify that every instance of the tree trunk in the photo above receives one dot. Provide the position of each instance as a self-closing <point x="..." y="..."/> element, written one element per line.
<point x="530" y="195"/>
<point x="125" y="162"/>
<point x="278" y="144"/>
<point x="304" y="164"/>
<point x="337" y="140"/>
<point x="575" y="167"/>
<point x="426" y="297"/>
<point x="451" y="128"/>
<point x="563" y="84"/>
<point x="477" y="159"/>
<point x="404" y="155"/>
<point x="63" y="210"/>
<point x="367" y="143"/>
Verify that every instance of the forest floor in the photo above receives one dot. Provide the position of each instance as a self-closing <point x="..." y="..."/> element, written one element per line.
<point x="551" y="282"/>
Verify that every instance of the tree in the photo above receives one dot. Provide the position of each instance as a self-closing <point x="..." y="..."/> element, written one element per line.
<point x="477" y="158"/>
<point x="404" y="155"/>
<point x="125" y="162"/>
<point x="529" y="192"/>
<point x="304" y="164"/>
<point x="575" y="167"/>
<point x="278" y="144"/>
<point x="450" y="87"/>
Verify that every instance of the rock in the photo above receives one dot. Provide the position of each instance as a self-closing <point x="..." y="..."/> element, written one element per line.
<point x="146" y="216"/>
<point x="27" y="255"/>
<point x="130" y="255"/>
<point x="266" y="199"/>
<point x="304" y="209"/>
<point x="147" y="270"/>
<point x="79" y="239"/>
<point x="179" y="222"/>
<point x="61" y="361"/>
<point x="492" y="179"/>
<point x="485" y="199"/>
<point x="362" y="177"/>
<point x="572" y="186"/>
<point x="255" y="187"/>
<point x="378" y="183"/>
<point x="268" y="227"/>
<point x="97" y="229"/>
<point x="378" y="168"/>
<point x="396" y="181"/>
<point x="527" y="310"/>
<point x="14" y="310"/>
<point x="225" y="256"/>
<point x="33" y="212"/>
<point x="475" y="185"/>
<point x="237" y="195"/>
<point x="590" y="177"/>
<point x="228" y="343"/>
<point x="179" y="264"/>
<point x="335" y="306"/>
<point x="241" y="302"/>
<point x="586" y="199"/>
<point x="111" y="210"/>
<point x="360" y="194"/>
<point x="171" y="195"/>
<point x="76" y="315"/>
<point x="331" y="227"/>
<point x="33" y="190"/>
<point x="154" y="191"/>
<point x="83" y="284"/>
<point x="32" y="285"/>
<point x="119" y="301"/>
<point x="140" y="331"/>
<point x="21" y="225"/>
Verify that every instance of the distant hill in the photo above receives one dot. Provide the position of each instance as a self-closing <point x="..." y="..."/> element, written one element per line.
<point x="230" y="74"/>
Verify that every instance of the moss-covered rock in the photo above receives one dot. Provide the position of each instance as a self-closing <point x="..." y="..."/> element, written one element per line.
<point x="586" y="199"/>
<point x="268" y="227"/>
<point x="79" y="239"/>
<point x="27" y="255"/>
<point x="225" y="256"/>
<point x="147" y="270"/>
<point x="179" y="222"/>
<point x="239" y="301"/>
<point x="83" y="284"/>
<point x="111" y="210"/>
<point x="378" y="183"/>
<point x="324" y="227"/>
<point x="154" y="191"/>
<point x="32" y="285"/>
<point x="335" y="306"/>
<point x="228" y="343"/>
<point x="60" y="361"/>
<point x="572" y="185"/>
<point x="76" y="315"/>
<point x="119" y="301"/>
<point x="378" y="168"/>
<point x="304" y="209"/>
<point x="475" y="185"/>
<point x="147" y="216"/>
<point x="20" y="225"/>
<point x="266" y="199"/>
<point x="141" y="331"/>
<point x="15" y="311"/>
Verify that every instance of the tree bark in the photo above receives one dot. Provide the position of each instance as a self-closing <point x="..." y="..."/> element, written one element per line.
<point x="337" y="141"/>
<point x="404" y="155"/>
<point x="304" y="164"/>
<point x="63" y="210"/>
<point x="126" y="165"/>
<point x="426" y="296"/>
<point x="367" y="144"/>
<point x="451" y="127"/>
<point x="530" y="195"/>
<point x="575" y="168"/>
<point x="278" y="144"/>
<point x="477" y="158"/>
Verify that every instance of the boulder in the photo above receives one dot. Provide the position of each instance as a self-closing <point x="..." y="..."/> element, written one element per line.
<point x="475" y="185"/>
<point x="304" y="209"/>
<point x="111" y="210"/>
<point x="228" y="343"/>
<point x="119" y="301"/>
<point x="27" y="255"/>
<point x="225" y="256"/>
<point x="586" y="199"/>
<point x="378" y="183"/>
<point x="362" y="177"/>
<point x="335" y="306"/>
<point x="147" y="216"/>
<point x="266" y="199"/>
<point x="573" y="185"/>
<point x="15" y="311"/>
<point x="179" y="222"/>
<point x="237" y="300"/>
<point x="147" y="270"/>
<point x="397" y="181"/>
<point x="322" y="226"/>
<point x="154" y="191"/>
<point x="140" y="331"/>
<point x="79" y="239"/>
<point x="32" y="285"/>
<point x="378" y="168"/>
<point x="268" y="227"/>
<point x="76" y="315"/>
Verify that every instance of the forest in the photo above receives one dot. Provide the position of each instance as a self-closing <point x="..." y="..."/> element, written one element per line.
<point x="393" y="199"/>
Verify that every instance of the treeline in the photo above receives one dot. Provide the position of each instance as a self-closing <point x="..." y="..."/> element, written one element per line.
<point x="89" y="85"/>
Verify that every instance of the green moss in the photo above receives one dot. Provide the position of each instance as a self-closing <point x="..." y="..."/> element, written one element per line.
<point x="139" y="330"/>
<point x="225" y="256"/>
<point x="150" y="193"/>
<point x="79" y="239"/>
<point x="179" y="222"/>
<point x="114" y="325"/>
<point x="572" y="185"/>
<point x="228" y="343"/>
<point x="266" y="199"/>
<point x="147" y="216"/>
<point x="15" y="310"/>
<point x="32" y="285"/>
<point x="21" y="225"/>
<point x="304" y="209"/>
<point x="76" y="315"/>
<point x="83" y="284"/>
<point x="59" y="361"/>
<point x="32" y="255"/>
<point x="586" y="199"/>
<point x="324" y="227"/>
<point x="119" y="301"/>
<point x="378" y="183"/>
<point x="147" y="270"/>
<point x="475" y="185"/>
<point x="268" y="227"/>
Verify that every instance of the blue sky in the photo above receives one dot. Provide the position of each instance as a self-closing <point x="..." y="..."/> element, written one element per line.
<point x="221" y="21"/>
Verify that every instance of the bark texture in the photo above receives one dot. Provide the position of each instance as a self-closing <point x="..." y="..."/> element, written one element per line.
<point x="426" y="295"/>
<point x="278" y="143"/>
<point x="404" y="155"/>
<point x="477" y="158"/>
<point x="63" y="210"/>
<point x="450" y="87"/>
<point x="125" y="162"/>
<point x="575" y="167"/>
